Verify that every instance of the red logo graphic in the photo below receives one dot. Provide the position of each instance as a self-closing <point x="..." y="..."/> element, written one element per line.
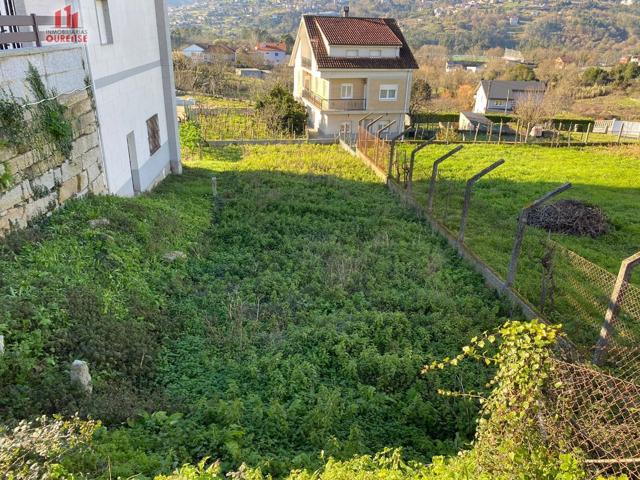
<point x="72" y="18"/>
<point x="67" y="27"/>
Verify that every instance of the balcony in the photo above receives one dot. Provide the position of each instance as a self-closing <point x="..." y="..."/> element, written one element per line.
<point x="336" y="104"/>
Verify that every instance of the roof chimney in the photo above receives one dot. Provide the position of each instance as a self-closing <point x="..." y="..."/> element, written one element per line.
<point x="345" y="11"/>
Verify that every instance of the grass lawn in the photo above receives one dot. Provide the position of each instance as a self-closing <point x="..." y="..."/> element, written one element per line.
<point x="608" y="178"/>
<point x="298" y="323"/>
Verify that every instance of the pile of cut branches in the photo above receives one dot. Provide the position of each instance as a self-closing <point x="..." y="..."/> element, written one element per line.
<point x="571" y="217"/>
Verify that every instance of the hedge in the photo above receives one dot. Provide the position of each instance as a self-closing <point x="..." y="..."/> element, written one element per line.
<point x="454" y="117"/>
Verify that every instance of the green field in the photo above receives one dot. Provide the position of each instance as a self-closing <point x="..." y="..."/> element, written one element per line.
<point x="298" y="323"/>
<point x="607" y="178"/>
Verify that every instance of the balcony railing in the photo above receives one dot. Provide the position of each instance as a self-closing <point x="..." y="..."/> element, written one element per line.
<point x="11" y="35"/>
<point x="338" y="104"/>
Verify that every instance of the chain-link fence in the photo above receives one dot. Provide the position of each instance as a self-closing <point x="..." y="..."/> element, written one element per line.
<point x="593" y="403"/>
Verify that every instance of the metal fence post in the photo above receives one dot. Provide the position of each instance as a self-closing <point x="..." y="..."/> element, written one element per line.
<point x="520" y="229"/>
<point x="467" y="196"/>
<point x="624" y="275"/>
<point x="434" y="175"/>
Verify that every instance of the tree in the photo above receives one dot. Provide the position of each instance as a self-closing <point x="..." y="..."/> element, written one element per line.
<point x="595" y="76"/>
<point x="279" y="109"/>
<point x="530" y="110"/>
<point x="190" y="136"/>
<point x="519" y="72"/>
<point x="420" y="95"/>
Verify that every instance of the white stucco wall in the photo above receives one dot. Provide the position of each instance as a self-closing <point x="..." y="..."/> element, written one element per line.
<point x="129" y="77"/>
<point x="274" y="57"/>
<point x="192" y="50"/>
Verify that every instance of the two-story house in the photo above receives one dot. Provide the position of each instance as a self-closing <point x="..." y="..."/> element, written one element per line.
<point x="346" y="68"/>
<point x="502" y="96"/>
<point x="272" y="53"/>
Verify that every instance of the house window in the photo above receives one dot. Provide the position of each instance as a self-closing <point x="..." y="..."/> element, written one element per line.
<point x="346" y="90"/>
<point x="375" y="53"/>
<point x="388" y="92"/>
<point x="352" y="53"/>
<point x="153" y="130"/>
<point x="104" y="22"/>
<point x="499" y="103"/>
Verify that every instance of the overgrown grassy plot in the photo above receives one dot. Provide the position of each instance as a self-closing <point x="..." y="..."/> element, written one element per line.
<point x="299" y="322"/>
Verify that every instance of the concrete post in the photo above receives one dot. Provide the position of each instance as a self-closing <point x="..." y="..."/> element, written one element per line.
<point x="214" y="186"/>
<point x="520" y="229"/>
<point x="434" y="175"/>
<point x="620" y="133"/>
<point x="624" y="275"/>
<point x="412" y="162"/>
<point x="467" y="196"/>
<point x="393" y="150"/>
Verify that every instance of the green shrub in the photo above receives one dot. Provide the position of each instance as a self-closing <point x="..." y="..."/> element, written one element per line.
<point x="280" y="109"/>
<point x="48" y="115"/>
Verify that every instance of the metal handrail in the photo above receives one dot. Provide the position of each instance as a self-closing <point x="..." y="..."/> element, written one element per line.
<point x="341" y="104"/>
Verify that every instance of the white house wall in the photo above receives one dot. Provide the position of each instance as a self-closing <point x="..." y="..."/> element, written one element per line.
<point x="132" y="81"/>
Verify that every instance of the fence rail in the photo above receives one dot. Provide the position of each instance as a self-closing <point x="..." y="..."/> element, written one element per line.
<point x="16" y="37"/>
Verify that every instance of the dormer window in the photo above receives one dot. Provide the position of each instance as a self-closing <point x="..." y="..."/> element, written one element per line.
<point x="352" y="53"/>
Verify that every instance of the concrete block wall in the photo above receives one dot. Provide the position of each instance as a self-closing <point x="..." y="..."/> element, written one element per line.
<point x="41" y="183"/>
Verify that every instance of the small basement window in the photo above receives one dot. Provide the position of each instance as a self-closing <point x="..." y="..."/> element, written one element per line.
<point x="388" y="92"/>
<point x="153" y="131"/>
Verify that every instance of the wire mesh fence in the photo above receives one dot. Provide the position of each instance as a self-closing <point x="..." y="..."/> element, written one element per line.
<point x="596" y="414"/>
<point x="590" y="408"/>
<point x="551" y="134"/>
<point x="376" y="149"/>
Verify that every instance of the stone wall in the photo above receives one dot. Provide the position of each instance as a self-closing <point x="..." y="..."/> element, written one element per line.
<point x="41" y="183"/>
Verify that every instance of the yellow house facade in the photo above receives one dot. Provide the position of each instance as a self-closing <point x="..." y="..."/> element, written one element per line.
<point x="347" y="68"/>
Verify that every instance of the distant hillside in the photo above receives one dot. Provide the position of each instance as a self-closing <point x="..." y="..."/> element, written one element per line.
<point x="604" y="28"/>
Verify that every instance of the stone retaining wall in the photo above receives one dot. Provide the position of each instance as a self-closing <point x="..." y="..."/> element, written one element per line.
<point x="39" y="184"/>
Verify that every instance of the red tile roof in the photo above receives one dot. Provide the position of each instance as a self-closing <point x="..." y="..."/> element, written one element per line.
<point x="271" y="47"/>
<point x="405" y="61"/>
<point x="358" y="31"/>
